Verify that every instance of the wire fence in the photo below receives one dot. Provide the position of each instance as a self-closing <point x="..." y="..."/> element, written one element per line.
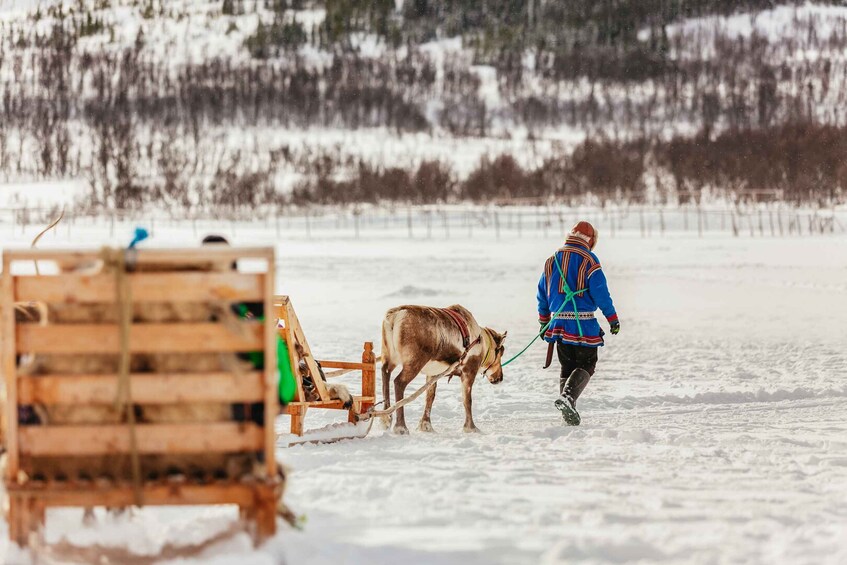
<point x="453" y="221"/>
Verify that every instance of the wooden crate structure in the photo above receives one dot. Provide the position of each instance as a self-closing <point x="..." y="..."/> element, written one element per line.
<point x="190" y="279"/>
<point x="292" y="332"/>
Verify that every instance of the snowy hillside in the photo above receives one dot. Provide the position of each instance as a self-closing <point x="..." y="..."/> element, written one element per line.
<point x="178" y="102"/>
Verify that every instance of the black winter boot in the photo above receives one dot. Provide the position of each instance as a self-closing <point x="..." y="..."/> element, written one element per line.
<point x="571" y="389"/>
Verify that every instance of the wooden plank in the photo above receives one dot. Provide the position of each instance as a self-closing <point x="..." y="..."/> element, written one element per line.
<point x="145" y="287"/>
<point x="144" y="338"/>
<point x="69" y="441"/>
<point x="329" y="404"/>
<point x="271" y="370"/>
<point x="298" y="414"/>
<point x="281" y="306"/>
<point x="265" y="515"/>
<point x="343" y="365"/>
<point x="17" y="509"/>
<point x="10" y="412"/>
<point x="297" y="331"/>
<point x="146" y="388"/>
<point x="199" y="256"/>
<point x="159" y="494"/>
<point x="369" y="372"/>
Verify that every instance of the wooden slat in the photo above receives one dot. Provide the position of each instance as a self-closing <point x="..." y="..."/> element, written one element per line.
<point x="271" y="371"/>
<point x="10" y="435"/>
<point x="369" y="370"/>
<point x="145" y="287"/>
<point x="171" y="494"/>
<point x="144" y="338"/>
<point x="184" y="255"/>
<point x="296" y="330"/>
<point x="68" y="441"/>
<point x="146" y="388"/>
<point x="342" y="365"/>
<point x="332" y="404"/>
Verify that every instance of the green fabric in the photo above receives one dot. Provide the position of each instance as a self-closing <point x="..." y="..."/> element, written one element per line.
<point x="287" y="385"/>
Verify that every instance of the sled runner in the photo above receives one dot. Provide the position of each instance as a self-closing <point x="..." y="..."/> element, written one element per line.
<point x="312" y="391"/>
<point x="124" y="395"/>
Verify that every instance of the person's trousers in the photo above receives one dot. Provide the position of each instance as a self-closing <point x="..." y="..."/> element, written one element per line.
<point x="575" y="357"/>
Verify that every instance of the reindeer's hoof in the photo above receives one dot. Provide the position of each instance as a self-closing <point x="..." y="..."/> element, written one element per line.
<point x="426" y="427"/>
<point x="471" y="430"/>
<point x="401" y="430"/>
<point x="386" y="422"/>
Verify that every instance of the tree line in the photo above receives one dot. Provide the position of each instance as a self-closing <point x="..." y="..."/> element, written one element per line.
<point x="143" y="119"/>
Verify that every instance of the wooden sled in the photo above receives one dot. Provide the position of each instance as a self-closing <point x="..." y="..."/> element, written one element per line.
<point x="179" y="277"/>
<point x="291" y="331"/>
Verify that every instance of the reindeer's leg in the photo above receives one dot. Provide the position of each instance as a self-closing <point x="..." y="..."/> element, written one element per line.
<point x="409" y="372"/>
<point x="426" y="423"/>
<point x="387" y="368"/>
<point x="468" y="378"/>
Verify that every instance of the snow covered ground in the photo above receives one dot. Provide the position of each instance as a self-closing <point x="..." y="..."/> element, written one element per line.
<point x="715" y="430"/>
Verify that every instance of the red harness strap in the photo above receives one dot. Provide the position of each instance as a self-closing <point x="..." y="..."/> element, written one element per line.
<point x="461" y="323"/>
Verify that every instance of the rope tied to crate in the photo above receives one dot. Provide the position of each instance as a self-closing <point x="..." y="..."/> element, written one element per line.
<point x="115" y="261"/>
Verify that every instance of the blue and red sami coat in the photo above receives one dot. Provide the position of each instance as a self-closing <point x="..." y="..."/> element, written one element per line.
<point x="582" y="270"/>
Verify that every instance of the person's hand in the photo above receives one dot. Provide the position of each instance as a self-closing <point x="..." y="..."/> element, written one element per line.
<point x="615" y="327"/>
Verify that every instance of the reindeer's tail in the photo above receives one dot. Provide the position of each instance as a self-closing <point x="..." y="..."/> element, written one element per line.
<point x="387" y="338"/>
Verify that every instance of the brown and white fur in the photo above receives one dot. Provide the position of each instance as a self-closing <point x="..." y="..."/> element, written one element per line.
<point x="427" y="340"/>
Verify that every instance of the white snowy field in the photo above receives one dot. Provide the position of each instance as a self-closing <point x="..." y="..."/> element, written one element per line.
<point x="715" y="430"/>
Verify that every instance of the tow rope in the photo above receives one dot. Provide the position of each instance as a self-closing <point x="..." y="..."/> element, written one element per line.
<point x="570" y="296"/>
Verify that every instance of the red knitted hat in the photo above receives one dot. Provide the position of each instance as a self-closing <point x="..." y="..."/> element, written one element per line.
<point x="586" y="233"/>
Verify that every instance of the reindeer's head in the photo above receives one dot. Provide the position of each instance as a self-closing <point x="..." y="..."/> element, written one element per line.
<point x="492" y="355"/>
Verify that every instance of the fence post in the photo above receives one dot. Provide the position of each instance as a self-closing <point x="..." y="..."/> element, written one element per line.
<point x="497" y="225"/>
<point x="409" y="221"/>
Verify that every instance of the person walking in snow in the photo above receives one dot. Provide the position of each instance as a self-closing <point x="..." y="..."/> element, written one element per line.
<point x="575" y="330"/>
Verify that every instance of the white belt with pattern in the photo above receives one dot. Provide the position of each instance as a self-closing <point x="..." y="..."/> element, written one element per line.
<point x="572" y="316"/>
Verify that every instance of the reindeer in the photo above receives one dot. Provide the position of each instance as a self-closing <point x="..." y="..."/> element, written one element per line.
<point x="431" y="341"/>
